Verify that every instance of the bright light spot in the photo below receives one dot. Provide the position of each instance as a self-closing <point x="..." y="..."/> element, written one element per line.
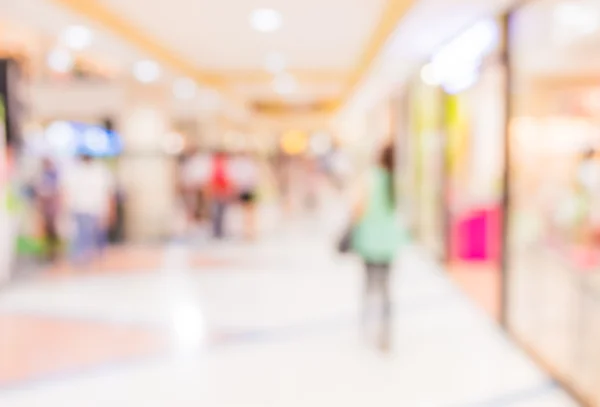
<point x="266" y="20"/>
<point x="462" y="81"/>
<point x="285" y="84"/>
<point x="174" y="143"/>
<point x="96" y="140"/>
<point x="188" y="327"/>
<point x="60" y="60"/>
<point x="146" y="71"/>
<point x="429" y="75"/>
<point x="457" y="65"/>
<point x="275" y="63"/>
<point x="185" y="88"/>
<point x="294" y="142"/>
<point x="77" y="37"/>
<point x="61" y="137"/>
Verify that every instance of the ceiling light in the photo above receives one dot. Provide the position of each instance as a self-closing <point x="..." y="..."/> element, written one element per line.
<point x="77" y="37"/>
<point x="146" y="71"/>
<point x="184" y="88"/>
<point x="266" y="20"/>
<point x="275" y="63"/>
<point x="60" y="60"/>
<point x="285" y="84"/>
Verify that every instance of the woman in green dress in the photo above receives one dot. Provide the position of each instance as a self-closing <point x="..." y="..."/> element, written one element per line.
<point x="376" y="238"/>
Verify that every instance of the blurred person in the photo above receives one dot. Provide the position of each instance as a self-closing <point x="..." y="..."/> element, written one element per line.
<point x="245" y="174"/>
<point x="311" y="185"/>
<point x="47" y="193"/>
<point x="220" y="190"/>
<point x="89" y="189"/>
<point x="588" y="180"/>
<point x="195" y="174"/>
<point x="375" y="238"/>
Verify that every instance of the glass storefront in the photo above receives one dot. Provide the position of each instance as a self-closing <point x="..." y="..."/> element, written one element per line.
<point x="554" y="241"/>
<point x="457" y="128"/>
<point x="427" y="144"/>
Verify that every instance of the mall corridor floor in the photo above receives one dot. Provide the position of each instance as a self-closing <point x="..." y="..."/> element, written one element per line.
<point x="273" y="323"/>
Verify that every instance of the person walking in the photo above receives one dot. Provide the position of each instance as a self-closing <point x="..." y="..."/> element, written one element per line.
<point x="88" y="193"/>
<point x="48" y="200"/>
<point x="220" y="190"/>
<point x="375" y="238"/>
<point x="245" y="173"/>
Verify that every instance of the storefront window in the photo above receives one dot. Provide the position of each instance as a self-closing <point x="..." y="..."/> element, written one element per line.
<point x="554" y="242"/>
<point x="472" y="74"/>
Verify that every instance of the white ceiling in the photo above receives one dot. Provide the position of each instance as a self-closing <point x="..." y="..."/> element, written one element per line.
<point x="49" y="20"/>
<point x="316" y="34"/>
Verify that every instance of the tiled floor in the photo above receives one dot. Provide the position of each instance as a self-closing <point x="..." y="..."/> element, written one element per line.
<point x="266" y="324"/>
<point x="482" y="282"/>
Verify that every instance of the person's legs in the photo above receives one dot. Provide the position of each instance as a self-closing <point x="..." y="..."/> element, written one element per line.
<point x="51" y="236"/>
<point x="369" y="289"/>
<point x="383" y="288"/>
<point x="249" y="209"/>
<point x="219" y="209"/>
<point x="84" y="239"/>
<point x="100" y="237"/>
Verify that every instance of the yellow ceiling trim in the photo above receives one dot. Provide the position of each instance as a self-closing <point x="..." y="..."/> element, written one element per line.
<point x="102" y="15"/>
<point x="393" y="12"/>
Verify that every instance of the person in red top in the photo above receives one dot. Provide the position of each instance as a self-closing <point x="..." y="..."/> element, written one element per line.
<point x="220" y="186"/>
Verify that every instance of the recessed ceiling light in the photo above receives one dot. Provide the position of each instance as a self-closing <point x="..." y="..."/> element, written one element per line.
<point x="285" y="84"/>
<point x="60" y="60"/>
<point x="266" y="20"/>
<point x="77" y="37"/>
<point x="146" y="71"/>
<point x="275" y="63"/>
<point x="184" y="88"/>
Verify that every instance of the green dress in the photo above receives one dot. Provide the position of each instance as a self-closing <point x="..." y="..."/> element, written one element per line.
<point x="378" y="235"/>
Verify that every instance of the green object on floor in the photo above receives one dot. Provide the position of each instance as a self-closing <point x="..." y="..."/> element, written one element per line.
<point x="29" y="246"/>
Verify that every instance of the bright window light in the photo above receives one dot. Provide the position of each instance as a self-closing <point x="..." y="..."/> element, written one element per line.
<point x="96" y="140"/>
<point x="146" y="71"/>
<point x="429" y="75"/>
<point x="456" y="66"/>
<point x="60" y="60"/>
<point x="266" y="20"/>
<point x="275" y="63"/>
<point x="61" y="137"/>
<point x="185" y="88"/>
<point x="285" y="84"/>
<point x="77" y="37"/>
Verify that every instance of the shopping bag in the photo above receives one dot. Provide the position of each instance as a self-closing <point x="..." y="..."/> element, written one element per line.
<point x="345" y="242"/>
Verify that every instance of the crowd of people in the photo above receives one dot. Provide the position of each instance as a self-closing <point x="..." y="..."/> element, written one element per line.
<point x="75" y="205"/>
<point x="209" y="184"/>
